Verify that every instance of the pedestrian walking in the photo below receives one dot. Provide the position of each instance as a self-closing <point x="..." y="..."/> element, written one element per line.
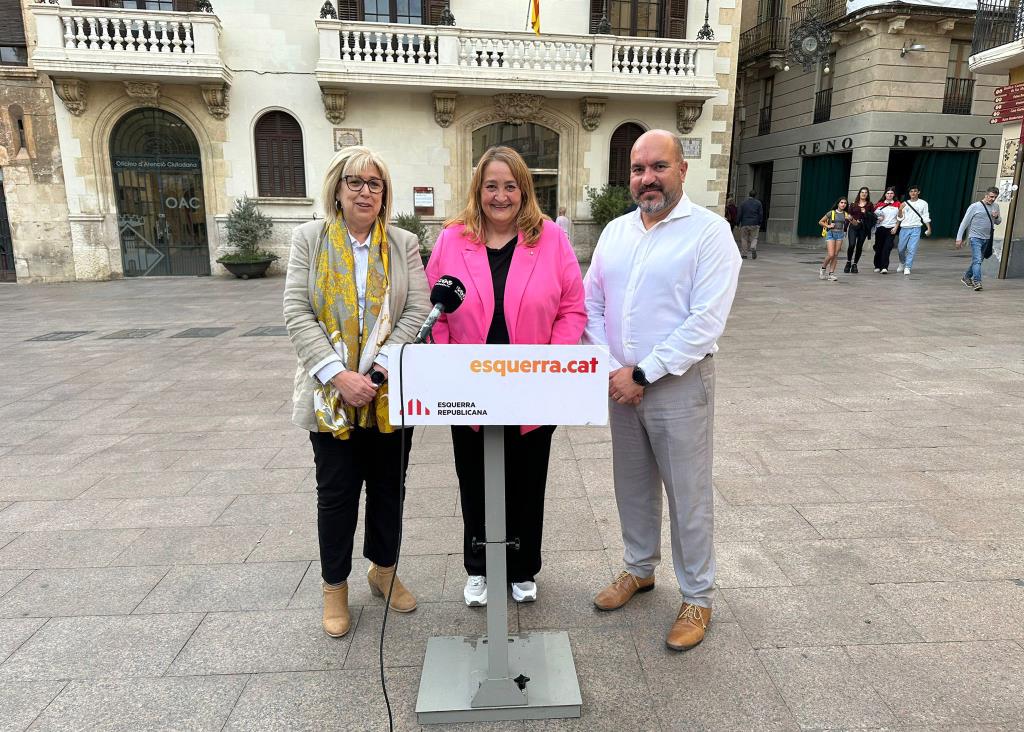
<point x="887" y="212"/>
<point x="913" y="216"/>
<point x="563" y="222"/>
<point x="658" y="293"/>
<point x="731" y="215"/>
<point x="862" y="221"/>
<point x="979" y="225"/>
<point x="833" y="228"/>
<point x="750" y="216"/>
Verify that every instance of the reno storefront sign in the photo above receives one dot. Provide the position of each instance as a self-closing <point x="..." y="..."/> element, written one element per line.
<point x="951" y="142"/>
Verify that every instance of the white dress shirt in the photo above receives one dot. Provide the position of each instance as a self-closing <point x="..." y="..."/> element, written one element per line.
<point x="659" y="298"/>
<point x="361" y="259"/>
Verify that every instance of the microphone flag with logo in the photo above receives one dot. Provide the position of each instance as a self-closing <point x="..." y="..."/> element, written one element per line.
<point x="446" y="296"/>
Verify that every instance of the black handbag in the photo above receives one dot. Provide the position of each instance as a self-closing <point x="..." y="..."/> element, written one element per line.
<point x="987" y="251"/>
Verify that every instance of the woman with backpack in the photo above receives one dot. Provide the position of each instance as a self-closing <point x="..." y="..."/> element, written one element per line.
<point x="887" y="210"/>
<point x="862" y="215"/>
<point x="833" y="228"/>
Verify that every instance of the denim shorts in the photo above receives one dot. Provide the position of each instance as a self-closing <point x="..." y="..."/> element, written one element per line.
<point x="835" y="235"/>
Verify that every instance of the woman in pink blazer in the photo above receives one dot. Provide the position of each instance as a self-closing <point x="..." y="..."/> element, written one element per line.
<point x="523" y="285"/>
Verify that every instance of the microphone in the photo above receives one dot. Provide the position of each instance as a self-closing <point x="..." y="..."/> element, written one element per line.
<point x="447" y="294"/>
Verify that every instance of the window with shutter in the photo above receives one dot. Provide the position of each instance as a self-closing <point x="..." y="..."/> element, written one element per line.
<point x="280" y="166"/>
<point x="13" y="51"/>
<point x="676" y="24"/>
<point x="618" y="153"/>
<point x="641" y="18"/>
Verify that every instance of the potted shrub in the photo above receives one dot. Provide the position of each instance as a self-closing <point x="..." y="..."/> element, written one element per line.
<point x="247" y="226"/>
<point x="413" y="224"/>
<point x="607" y="203"/>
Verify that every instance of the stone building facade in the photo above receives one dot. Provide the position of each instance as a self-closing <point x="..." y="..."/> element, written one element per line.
<point x="35" y="238"/>
<point x="172" y="109"/>
<point x="835" y="95"/>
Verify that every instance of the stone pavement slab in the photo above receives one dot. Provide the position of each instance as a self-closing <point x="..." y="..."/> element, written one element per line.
<point x="160" y="568"/>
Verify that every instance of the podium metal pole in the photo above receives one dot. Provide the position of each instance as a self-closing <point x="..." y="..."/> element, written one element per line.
<point x="470" y="679"/>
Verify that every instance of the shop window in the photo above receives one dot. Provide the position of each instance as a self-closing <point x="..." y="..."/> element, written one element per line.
<point x="642" y="18"/>
<point x="618" y="153"/>
<point x="280" y="167"/>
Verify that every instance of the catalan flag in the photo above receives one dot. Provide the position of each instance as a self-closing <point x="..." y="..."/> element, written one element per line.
<point x="535" y="16"/>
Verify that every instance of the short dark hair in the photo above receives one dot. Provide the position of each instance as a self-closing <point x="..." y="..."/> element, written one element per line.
<point x="993" y="189"/>
<point x="914" y="187"/>
<point x="752" y="194"/>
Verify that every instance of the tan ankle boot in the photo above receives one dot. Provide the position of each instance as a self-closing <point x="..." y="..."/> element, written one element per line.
<point x="337" y="620"/>
<point x="379" y="578"/>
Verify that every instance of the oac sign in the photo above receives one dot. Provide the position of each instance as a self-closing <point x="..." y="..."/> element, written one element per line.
<point x="172" y="202"/>
<point x="499" y="385"/>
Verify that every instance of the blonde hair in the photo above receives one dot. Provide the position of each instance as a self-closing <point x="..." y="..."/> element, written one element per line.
<point x="530" y="220"/>
<point x="353" y="161"/>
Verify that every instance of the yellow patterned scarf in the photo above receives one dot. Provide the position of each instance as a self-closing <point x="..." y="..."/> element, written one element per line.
<point x="336" y="303"/>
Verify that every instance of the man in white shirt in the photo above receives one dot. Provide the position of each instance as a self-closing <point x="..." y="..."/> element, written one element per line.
<point x="912" y="216"/>
<point x="659" y="290"/>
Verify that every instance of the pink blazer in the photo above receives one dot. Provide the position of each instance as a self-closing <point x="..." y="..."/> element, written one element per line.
<point x="543" y="293"/>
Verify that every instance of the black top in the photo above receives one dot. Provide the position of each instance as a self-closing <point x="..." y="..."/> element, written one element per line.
<point x="500" y="260"/>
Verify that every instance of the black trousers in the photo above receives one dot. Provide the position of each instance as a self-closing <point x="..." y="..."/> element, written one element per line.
<point x="342" y="466"/>
<point x="857" y="236"/>
<point x="526" y="474"/>
<point x="884" y="242"/>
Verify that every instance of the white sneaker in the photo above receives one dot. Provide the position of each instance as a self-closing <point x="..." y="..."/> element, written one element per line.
<point x="906" y="271"/>
<point x="821" y="273"/>
<point x="885" y="271"/>
<point x="832" y="277"/>
<point x="877" y="269"/>
<point x="475" y="592"/>
<point x="899" y="268"/>
<point x="524" y="591"/>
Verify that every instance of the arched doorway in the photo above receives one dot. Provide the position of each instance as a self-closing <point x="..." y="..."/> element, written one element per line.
<point x="158" y="182"/>
<point x="618" y="153"/>
<point x="539" y="147"/>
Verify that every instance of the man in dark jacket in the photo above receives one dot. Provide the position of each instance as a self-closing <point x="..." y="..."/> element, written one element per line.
<point x="751" y="214"/>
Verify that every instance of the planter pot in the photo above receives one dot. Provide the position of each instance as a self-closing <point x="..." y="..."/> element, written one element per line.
<point x="248" y="270"/>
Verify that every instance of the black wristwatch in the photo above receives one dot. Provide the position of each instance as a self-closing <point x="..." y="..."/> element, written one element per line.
<point x="377" y="377"/>
<point x="639" y="377"/>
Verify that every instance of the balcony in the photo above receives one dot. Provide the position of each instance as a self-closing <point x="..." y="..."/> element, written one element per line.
<point x="413" y="57"/>
<point x="998" y="23"/>
<point x="768" y="36"/>
<point x="131" y="45"/>
<point x="958" y="97"/>
<point x="827" y="11"/>
<point x="764" y="121"/>
<point x="823" y="106"/>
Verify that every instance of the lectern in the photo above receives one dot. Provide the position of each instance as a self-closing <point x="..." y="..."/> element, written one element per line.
<point x="498" y="676"/>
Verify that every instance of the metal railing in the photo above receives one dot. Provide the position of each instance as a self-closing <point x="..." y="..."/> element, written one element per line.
<point x="823" y="106"/>
<point x="827" y="11"/>
<point x="959" y="96"/>
<point x="765" y="37"/>
<point x="998" y="22"/>
<point x="764" y="121"/>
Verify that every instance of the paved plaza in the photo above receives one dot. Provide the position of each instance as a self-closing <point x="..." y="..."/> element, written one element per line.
<point x="158" y="555"/>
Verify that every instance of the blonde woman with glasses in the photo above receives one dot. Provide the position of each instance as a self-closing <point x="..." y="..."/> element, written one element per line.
<point x="355" y="284"/>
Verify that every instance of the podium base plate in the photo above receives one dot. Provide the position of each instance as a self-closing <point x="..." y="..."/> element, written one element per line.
<point x="455" y="666"/>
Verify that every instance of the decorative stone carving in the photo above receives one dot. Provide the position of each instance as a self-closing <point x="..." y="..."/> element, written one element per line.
<point x="517" y="109"/>
<point x="327" y="12"/>
<point x="945" y="25"/>
<point x="897" y="24"/>
<point x="73" y="92"/>
<point x="216" y="98"/>
<point x="148" y="91"/>
<point x="591" y="109"/>
<point x="687" y="114"/>
<point x="446" y="17"/>
<point x="869" y="27"/>
<point x="204" y="6"/>
<point x="334" y="104"/>
<point x="444" y="108"/>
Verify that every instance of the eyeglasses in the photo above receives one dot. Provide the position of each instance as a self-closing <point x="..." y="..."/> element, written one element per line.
<point x="355" y="184"/>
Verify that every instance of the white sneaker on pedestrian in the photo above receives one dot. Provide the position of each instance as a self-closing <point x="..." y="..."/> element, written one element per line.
<point x="524" y="591"/>
<point x="906" y="271"/>
<point x="821" y="273"/>
<point x="832" y="277"/>
<point x="885" y="271"/>
<point x="877" y="269"/>
<point x="899" y="268"/>
<point x="475" y="592"/>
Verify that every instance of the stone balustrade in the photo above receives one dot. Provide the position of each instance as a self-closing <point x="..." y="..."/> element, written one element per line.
<point x="116" y="43"/>
<point x="408" y="56"/>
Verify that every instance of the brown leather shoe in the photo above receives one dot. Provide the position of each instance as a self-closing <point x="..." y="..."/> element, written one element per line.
<point x="622" y="588"/>
<point x="689" y="628"/>
<point x="379" y="578"/>
<point x="337" y="620"/>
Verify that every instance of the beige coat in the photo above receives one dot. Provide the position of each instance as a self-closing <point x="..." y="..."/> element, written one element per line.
<point x="409" y="306"/>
